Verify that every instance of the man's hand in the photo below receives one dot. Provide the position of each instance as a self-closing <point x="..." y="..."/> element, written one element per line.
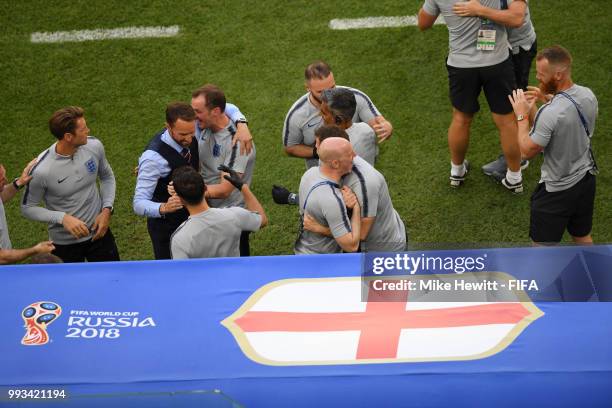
<point x="533" y="92"/>
<point x="171" y="190"/>
<point x="520" y="103"/>
<point x="25" y="177"/>
<point x="310" y="224"/>
<point x="471" y="8"/>
<point x="244" y="136"/>
<point x="350" y="199"/>
<point x="383" y="128"/>
<point x="100" y="225"/>
<point x="44" y="247"/>
<point x="173" y="204"/>
<point x="232" y="176"/>
<point x="74" y="226"/>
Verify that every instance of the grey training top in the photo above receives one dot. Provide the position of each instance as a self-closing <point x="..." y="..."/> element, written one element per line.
<point x="363" y="140"/>
<point x="557" y="127"/>
<point x="388" y="232"/>
<point x="213" y="233"/>
<point x="5" y="241"/>
<point x="321" y="198"/>
<point x="523" y="36"/>
<point x="215" y="148"/>
<point x="304" y="118"/>
<point x="67" y="185"/>
<point x="463" y="35"/>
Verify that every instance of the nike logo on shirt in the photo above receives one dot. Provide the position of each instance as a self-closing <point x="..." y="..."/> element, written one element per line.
<point x="59" y="181"/>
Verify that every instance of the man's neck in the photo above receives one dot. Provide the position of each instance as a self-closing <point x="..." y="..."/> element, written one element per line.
<point x="565" y="85"/>
<point x="330" y="173"/>
<point x="197" y="209"/>
<point x="220" y="123"/>
<point x="64" y="148"/>
<point x="315" y="103"/>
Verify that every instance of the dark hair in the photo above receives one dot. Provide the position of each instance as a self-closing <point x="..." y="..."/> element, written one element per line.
<point x="341" y="103"/>
<point x="327" y="131"/>
<point x="318" y="70"/>
<point x="64" y="121"/>
<point x="189" y="185"/>
<point x="179" y="110"/>
<point x="556" y="55"/>
<point x="214" y="96"/>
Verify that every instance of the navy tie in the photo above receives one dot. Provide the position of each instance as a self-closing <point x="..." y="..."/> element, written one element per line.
<point x="186" y="154"/>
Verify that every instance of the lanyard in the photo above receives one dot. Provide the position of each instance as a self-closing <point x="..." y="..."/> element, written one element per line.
<point x="585" y="126"/>
<point x="319" y="184"/>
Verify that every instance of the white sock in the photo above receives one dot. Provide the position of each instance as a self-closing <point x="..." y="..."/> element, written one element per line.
<point x="457" y="170"/>
<point x="514" y="177"/>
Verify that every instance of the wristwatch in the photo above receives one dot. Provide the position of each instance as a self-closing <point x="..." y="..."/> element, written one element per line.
<point x="520" y="117"/>
<point x="17" y="186"/>
<point x="241" y="121"/>
<point x="111" y="208"/>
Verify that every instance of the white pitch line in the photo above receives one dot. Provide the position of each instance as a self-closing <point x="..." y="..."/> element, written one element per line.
<point x="104" y="34"/>
<point x="375" y="22"/>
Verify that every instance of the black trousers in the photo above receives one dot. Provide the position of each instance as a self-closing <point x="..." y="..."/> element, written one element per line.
<point x="102" y="250"/>
<point x="160" y="231"/>
<point x="245" y="249"/>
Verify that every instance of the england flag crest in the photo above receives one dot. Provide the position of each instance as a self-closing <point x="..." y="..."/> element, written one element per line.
<point x="325" y="321"/>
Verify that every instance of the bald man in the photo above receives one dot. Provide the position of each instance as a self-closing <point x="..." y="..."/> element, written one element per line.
<point x="322" y="199"/>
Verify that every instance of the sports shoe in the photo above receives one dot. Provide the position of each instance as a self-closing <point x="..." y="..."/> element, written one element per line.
<point x="457" y="181"/>
<point x="516" y="188"/>
<point x="500" y="166"/>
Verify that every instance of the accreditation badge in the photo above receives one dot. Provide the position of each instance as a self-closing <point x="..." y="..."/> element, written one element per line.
<point x="486" y="36"/>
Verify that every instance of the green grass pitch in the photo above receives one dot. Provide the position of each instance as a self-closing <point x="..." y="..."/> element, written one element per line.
<point x="257" y="51"/>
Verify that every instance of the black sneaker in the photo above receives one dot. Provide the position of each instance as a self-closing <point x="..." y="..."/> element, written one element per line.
<point x="457" y="181"/>
<point x="500" y="166"/>
<point x="516" y="188"/>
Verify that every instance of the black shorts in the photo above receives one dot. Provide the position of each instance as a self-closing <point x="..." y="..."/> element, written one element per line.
<point x="522" y="65"/>
<point x="498" y="82"/>
<point x="552" y="213"/>
<point x="102" y="250"/>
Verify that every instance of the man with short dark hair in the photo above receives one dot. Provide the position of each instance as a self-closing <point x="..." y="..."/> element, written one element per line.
<point x="7" y="191"/>
<point x="212" y="232"/>
<point x="338" y="107"/>
<point x="65" y="178"/>
<point x="214" y="135"/>
<point x="478" y="59"/>
<point x="562" y="130"/>
<point x="304" y="116"/>
<point x="171" y="148"/>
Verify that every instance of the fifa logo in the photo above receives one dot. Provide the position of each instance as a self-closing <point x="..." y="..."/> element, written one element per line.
<point x="37" y="317"/>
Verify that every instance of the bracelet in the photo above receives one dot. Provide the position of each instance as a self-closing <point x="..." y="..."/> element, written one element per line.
<point x="17" y="186"/>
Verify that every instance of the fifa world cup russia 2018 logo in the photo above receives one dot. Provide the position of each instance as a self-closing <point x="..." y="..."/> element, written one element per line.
<point x="37" y="317"/>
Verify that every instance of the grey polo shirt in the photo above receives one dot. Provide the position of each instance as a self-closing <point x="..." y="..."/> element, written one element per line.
<point x="388" y="232"/>
<point x="523" y="36"/>
<point x="321" y="198"/>
<point x="304" y="118"/>
<point x="363" y="139"/>
<point x="215" y="148"/>
<point x="68" y="185"/>
<point x="558" y="129"/>
<point x="5" y="241"/>
<point x="463" y="35"/>
<point x="213" y="233"/>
